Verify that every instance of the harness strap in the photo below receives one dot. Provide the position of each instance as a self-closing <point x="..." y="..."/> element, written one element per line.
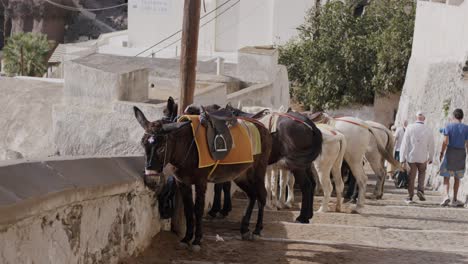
<point x="323" y="126"/>
<point x="251" y="120"/>
<point x="293" y="118"/>
<point x="354" y="123"/>
<point x="213" y="169"/>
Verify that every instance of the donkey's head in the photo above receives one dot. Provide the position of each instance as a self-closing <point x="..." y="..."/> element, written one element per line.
<point x="157" y="141"/>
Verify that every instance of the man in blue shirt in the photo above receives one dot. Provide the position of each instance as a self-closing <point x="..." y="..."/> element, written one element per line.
<point x="454" y="150"/>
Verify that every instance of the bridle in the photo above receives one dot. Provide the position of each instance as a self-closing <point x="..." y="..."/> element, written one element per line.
<point x="166" y="138"/>
<point x="153" y="147"/>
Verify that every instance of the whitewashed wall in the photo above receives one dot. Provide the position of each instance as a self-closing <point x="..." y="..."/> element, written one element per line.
<point x="440" y="48"/>
<point x="249" y="23"/>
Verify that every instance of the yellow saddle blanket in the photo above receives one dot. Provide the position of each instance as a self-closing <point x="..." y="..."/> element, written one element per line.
<point x="245" y="137"/>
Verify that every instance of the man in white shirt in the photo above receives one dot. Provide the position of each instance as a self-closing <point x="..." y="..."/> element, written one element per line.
<point x="417" y="148"/>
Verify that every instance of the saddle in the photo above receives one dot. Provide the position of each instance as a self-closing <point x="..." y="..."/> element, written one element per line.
<point x="218" y="135"/>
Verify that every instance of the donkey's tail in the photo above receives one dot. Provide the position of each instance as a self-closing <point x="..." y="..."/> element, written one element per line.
<point x="386" y="151"/>
<point x="343" y="145"/>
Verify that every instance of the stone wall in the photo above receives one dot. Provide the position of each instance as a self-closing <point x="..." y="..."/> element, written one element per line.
<point x="434" y="75"/>
<point x="26" y="117"/>
<point x="260" y="66"/>
<point x="75" y="211"/>
<point x="255" y="95"/>
<point x="382" y="111"/>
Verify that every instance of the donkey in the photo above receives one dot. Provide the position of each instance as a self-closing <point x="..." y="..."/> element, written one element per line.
<point x="167" y="142"/>
<point x="359" y="135"/>
<point x="297" y="142"/>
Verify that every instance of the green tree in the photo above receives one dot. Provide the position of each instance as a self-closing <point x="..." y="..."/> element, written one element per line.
<point x="26" y="54"/>
<point x="342" y="58"/>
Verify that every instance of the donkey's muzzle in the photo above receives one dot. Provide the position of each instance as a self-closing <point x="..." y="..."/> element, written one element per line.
<point x="153" y="179"/>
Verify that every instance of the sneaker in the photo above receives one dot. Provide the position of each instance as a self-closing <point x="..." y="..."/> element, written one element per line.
<point x="456" y="203"/>
<point x="421" y="196"/>
<point x="445" y="202"/>
<point x="409" y="200"/>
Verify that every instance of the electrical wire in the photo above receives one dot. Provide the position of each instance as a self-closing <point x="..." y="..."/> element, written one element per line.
<point x="72" y="8"/>
<point x="204" y="24"/>
<point x="175" y="33"/>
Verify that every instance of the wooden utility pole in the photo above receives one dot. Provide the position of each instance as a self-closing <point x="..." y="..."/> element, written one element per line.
<point x="188" y="64"/>
<point x="188" y="56"/>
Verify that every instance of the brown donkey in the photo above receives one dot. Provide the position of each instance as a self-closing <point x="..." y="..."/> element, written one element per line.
<point x="167" y="142"/>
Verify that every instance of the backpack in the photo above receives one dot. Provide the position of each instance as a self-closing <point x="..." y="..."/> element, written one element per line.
<point x="401" y="179"/>
<point x="166" y="199"/>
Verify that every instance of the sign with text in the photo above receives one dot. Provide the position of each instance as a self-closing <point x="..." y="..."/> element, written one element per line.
<point x="155" y="6"/>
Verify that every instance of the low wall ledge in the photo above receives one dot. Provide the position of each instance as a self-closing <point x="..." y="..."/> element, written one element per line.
<point x="32" y="187"/>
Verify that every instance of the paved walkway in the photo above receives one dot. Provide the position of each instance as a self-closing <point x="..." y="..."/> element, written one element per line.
<point x="388" y="231"/>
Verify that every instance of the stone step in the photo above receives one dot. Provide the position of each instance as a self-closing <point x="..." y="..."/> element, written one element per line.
<point x="382" y="216"/>
<point x="427" y="239"/>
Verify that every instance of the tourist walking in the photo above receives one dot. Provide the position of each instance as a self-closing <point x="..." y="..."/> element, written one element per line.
<point x="400" y="132"/>
<point x="417" y="148"/>
<point x="453" y="156"/>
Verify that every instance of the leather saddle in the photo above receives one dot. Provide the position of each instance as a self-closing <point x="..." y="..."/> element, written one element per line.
<point x="218" y="135"/>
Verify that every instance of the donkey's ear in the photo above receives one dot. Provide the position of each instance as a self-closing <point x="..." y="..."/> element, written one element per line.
<point x="170" y="103"/>
<point x="239" y="105"/>
<point x="141" y="117"/>
<point x="171" y="127"/>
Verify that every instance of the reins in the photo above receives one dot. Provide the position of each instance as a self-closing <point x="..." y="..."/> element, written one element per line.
<point x="292" y="118"/>
<point x="354" y="123"/>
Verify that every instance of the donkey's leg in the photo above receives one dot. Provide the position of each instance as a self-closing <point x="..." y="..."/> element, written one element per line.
<point x="324" y="177"/>
<point x="268" y="174"/>
<point x="216" y="200"/>
<point x="227" y="206"/>
<point x="261" y="197"/>
<point x="274" y="187"/>
<point x="306" y="184"/>
<point x="361" y="180"/>
<point x="248" y="189"/>
<point x="339" y="185"/>
<point x="186" y="191"/>
<point x="291" y="181"/>
<point x="283" y="182"/>
<point x="313" y="183"/>
<point x="377" y="164"/>
<point x="200" y="191"/>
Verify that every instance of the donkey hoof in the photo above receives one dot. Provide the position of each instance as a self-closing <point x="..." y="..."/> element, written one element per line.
<point x="322" y="209"/>
<point x="256" y="237"/>
<point x="356" y="210"/>
<point x="289" y="205"/>
<point x="183" y="245"/>
<point x="211" y="214"/>
<point x="196" y="248"/>
<point x="248" y="236"/>
<point x="302" y="220"/>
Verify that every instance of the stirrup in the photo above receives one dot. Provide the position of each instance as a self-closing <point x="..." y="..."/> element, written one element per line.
<point x="223" y="143"/>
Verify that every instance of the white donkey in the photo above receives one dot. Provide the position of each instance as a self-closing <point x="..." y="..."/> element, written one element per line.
<point x="330" y="161"/>
<point x="359" y="136"/>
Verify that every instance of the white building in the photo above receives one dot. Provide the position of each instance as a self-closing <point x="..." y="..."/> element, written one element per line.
<point x="226" y="26"/>
<point x="437" y="76"/>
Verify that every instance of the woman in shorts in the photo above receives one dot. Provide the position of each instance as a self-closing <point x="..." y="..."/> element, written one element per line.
<point x="453" y="156"/>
